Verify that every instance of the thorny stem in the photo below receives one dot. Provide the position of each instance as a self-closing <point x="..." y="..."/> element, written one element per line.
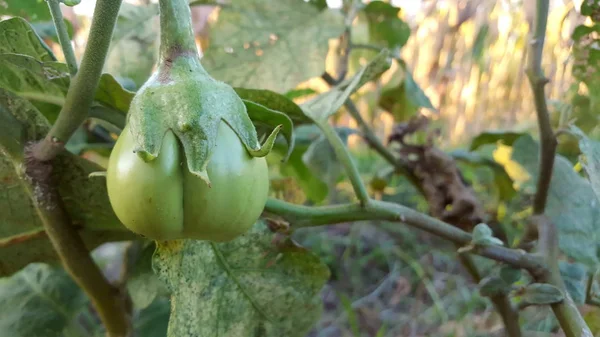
<point x="63" y="36"/>
<point x="306" y="216"/>
<point x="108" y="301"/>
<point x="566" y="312"/>
<point x="83" y="85"/>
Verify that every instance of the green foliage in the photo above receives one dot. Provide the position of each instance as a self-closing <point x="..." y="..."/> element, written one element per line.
<point x="541" y="293"/>
<point x="405" y="100"/>
<point x="85" y="199"/>
<point x="32" y="10"/>
<point x="324" y="105"/>
<point x="263" y="44"/>
<point x="492" y="137"/>
<point x="39" y="301"/>
<point x="385" y="27"/>
<point x="260" y="283"/>
<point x="572" y="203"/>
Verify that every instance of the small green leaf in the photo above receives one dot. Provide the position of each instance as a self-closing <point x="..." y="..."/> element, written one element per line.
<point x="492" y="137"/>
<point x="270" y="44"/>
<point x="385" y="27"/>
<point x="509" y="274"/>
<point x="39" y="301"/>
<point x="274" y="101"/>
<point x="262" y="115"/>
<point x="405" y="100"/>
<point x="71" y="3"/>
<point x="326" y="104"/>
<point x="541" y="293"/>
<point x="253" y="285"/>
<point x="47" y="30"/>
<point x="483" y="236"/>
<point x="153" y="320"/>
<point x="493" y="286"/>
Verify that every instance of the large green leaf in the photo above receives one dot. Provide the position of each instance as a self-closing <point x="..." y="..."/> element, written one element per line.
<point x="254" y="285"/>
<point x="33" y="10"/>
<point x="326" y="104"/>
<point x="18" y="37"/>
<point x="270" y="44"/>
<point x="22" y="238"/>
<point x="572" y="205"/>
<point x="40" y="300"/>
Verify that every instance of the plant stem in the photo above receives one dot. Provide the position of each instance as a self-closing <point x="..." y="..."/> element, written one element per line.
<point x="305" y="216"/>
<point x="538" y="81"/>
<point x="176" y="34"/>
<point x="566" y="312"/>
<point x="366" y="46"/>
<point x="63" y="36"/>
<point x="107" y="300"/>
<point x="83" y="86"/>
<point x="342" y="154"/>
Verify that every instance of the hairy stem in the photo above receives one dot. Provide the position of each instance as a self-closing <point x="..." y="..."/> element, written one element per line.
<point x="176" y="34"/>
<point x="566" y="312"/>
<point x="83" y="86"/>
<point x="63" y="36"/>
<point x="342" y="154"/>
<point x="108" y="301"/>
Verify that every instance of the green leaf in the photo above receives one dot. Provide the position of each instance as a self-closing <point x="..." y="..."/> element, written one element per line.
<point x="274" y="101"/>
<point x="575" y="277"/>
<point x="542" y="293"/>
<point x="143" y="284"/>
<point x="38" y="301"/>
<point x="320" y="158"/>
<point x="509" y="274"/>
<point x="272" y="118"/>
<point x="17" y="36"/>
<point x="22" y="237"/>
<point x="480" y="43"/>
<point x="46" y="85"/>
<point x="259" y="284"/>
<point x="32" y="10"/>
<point x="134" y="48"/>
<point x="47" y="30"/>
<point x="502" y="180"/>
<point x="590" y="159"/>
<point x="385" y="27"/>
<point x="492" y="137"/>
<point x="315" y="189"/>
<point x="581" y="31"/>
<point x="299" y="93"/>
<point x="153" y="320"/>
<point x="270" y="44"/>
<point x="493" y="286"/>
<point x="326" y="104"/>
<point x="405" y="100"/>
<point x="483" y="236"/>
<point x="572" y="204"/>
<point x="590" y="8"/>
